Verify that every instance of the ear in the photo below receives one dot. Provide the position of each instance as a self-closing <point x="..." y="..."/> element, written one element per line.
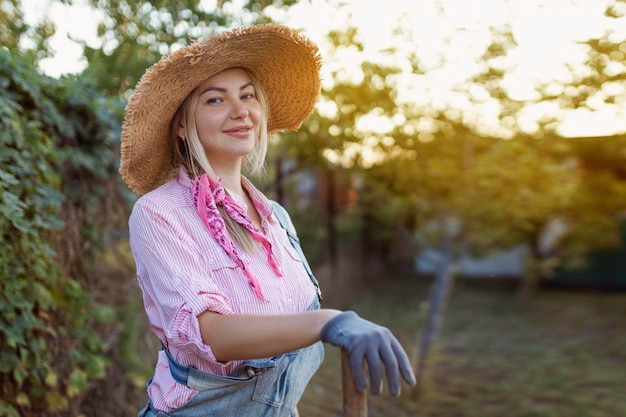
<point x="181" y="132"/>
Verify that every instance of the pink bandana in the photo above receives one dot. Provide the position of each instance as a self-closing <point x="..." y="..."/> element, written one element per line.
<point x="207" y="195"/>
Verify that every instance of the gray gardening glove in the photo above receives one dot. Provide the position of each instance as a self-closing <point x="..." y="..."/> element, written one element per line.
<point x="367" y="342"/>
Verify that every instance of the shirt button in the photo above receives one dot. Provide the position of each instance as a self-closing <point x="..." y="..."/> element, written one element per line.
<point x="290" y="301"/>
<point x="211" y="261"/>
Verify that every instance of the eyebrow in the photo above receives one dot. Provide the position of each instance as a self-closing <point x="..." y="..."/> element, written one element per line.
<point x="223" y="90"/>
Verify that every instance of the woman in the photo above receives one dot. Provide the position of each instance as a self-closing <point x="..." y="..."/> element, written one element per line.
<point x="225" y="292"/>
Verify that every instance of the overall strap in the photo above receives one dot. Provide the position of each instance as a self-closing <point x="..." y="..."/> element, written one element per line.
<point x="283" y="219"/>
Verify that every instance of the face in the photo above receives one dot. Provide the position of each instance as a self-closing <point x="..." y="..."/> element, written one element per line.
<point x="228" y="116"/>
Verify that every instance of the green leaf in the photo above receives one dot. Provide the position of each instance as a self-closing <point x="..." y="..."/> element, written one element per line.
<point x="22" y="399"/>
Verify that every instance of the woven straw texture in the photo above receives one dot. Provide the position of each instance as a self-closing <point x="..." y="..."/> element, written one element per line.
<point x="286" y="63"/>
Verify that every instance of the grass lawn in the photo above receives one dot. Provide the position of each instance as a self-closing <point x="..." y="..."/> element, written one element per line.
<point x="563" y="354"/>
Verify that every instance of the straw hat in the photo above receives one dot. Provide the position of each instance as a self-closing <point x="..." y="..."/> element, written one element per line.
<point x="286" y="64"/>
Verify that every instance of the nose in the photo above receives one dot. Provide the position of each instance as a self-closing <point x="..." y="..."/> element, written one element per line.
<point x="239" y="111"/>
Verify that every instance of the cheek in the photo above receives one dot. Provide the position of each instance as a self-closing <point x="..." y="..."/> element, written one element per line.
<point x="258" y="117"/>
<point x="256" y="114"/>
<point x="206" y="122"/>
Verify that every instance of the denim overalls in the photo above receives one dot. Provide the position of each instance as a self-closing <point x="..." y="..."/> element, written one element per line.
<point x="258" y="388"/>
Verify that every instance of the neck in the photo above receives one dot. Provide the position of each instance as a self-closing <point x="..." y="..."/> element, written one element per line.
<point x="230" y="175"/>
<point x="232" y="182"/>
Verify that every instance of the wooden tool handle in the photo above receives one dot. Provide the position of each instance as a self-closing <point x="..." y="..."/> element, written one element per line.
<point x="354" y="402"/>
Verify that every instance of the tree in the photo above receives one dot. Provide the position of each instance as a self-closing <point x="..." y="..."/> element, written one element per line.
<point x="136" y="33"/>
<point x="598" y="206"/>
<point x="329" y="141"/>
<point x="470" y="188"/>
<point x="601" y="83"/>
<point x="16" y="35"/>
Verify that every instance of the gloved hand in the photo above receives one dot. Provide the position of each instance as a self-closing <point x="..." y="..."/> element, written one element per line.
<point x="367" y="342"/>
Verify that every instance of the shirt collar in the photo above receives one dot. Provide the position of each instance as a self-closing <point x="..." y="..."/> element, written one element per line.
<point x="260" y="201"/>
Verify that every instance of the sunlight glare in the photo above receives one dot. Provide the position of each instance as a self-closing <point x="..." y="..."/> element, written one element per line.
<point x="448" y="37"/>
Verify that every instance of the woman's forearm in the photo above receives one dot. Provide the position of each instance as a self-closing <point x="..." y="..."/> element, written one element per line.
<point x="243" y="336"/>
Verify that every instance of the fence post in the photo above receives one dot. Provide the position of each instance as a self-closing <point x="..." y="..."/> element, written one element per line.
<point x="354" y="402"/>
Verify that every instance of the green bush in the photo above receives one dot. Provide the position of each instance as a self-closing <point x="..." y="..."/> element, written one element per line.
<point x="57" y="158"/>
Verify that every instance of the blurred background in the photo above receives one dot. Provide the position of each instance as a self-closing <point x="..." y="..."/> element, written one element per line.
<point x="462" y="180"/>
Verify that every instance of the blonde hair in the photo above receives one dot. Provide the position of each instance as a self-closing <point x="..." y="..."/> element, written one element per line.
<point x="190" y="153"/>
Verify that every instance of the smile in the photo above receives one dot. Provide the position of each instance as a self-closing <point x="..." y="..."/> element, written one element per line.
<point x="239" y="129"/>
<point x="239" y="132"/>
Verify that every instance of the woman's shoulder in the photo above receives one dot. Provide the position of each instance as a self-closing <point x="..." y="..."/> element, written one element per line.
<point x="169" y="197"/>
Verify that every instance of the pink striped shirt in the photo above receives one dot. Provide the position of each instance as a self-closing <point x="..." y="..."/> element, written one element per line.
<point x="182" y="272"/>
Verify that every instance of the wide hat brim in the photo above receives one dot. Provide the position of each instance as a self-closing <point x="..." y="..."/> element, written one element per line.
<point x="286" y="64"/>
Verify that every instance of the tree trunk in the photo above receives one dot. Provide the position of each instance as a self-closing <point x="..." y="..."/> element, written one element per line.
<point x="278" y="184"/>
<point x="532" y="273"/>
<point x="366" y="230"/>
<point x="440" y="292"/>
<point x="331" y="211"/>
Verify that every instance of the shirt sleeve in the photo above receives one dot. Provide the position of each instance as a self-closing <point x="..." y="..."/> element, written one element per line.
<point x="173" y="275"/>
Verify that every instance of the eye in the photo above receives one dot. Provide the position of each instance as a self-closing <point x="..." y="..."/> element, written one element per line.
<point x="248" y="96"/>
<point x="214" y="100"/>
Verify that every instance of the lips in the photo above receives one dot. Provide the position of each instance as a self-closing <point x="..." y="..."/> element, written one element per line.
<point x="239" y="129"/>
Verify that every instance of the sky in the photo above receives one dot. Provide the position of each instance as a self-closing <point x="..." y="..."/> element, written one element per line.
<point x="546" y="31"/>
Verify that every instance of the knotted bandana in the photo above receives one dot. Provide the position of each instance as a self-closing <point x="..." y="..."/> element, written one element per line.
<point x="207" y="195"/>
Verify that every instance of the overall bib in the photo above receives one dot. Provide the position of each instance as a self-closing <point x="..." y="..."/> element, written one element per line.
<point x="258" y="388"/>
